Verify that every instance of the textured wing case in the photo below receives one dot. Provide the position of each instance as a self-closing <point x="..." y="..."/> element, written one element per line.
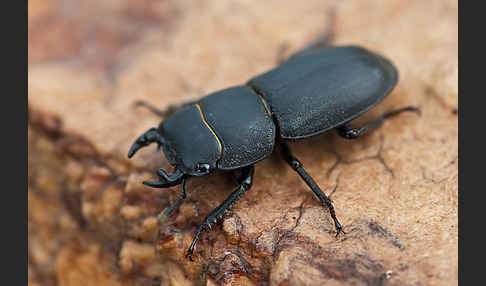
<point x="320" y="90"/>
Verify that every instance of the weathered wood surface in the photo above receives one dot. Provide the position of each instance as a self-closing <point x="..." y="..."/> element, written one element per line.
<point x="91" y="222"/>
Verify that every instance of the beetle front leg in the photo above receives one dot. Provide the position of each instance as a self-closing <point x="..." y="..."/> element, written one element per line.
<point x="181" y="197"/>
<point x="352" y="133"/>
<point x="246" y="181"/>
<point x="297" y="166"/>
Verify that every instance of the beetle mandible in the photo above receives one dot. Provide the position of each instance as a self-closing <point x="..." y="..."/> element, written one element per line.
<point x="314" y="91"/>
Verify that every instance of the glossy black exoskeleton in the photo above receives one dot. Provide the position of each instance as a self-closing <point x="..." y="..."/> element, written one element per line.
<point x="314" y="91"/>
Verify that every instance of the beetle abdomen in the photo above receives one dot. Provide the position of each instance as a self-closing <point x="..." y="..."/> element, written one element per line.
<point x="323" y="89"/>
<point x="240" y="120"/>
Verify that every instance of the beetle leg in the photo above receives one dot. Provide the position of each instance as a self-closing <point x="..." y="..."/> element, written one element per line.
<point x="245" y="184"/>
<point x="182" y="196"/>
<point x="150" y="136"/>
<point x="324" y="41"/>
<point x="163" y="113"/>
<point x="297" y="166"/>
<point x="352" y="133"/>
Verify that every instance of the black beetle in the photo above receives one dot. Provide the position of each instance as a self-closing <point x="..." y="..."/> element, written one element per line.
<point x="314" y="91"/>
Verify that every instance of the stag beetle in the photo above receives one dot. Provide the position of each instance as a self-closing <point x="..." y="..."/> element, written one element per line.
<point x="314" y="91"/>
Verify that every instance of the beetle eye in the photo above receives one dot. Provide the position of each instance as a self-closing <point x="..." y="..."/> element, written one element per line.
<point x="202" y="168"/>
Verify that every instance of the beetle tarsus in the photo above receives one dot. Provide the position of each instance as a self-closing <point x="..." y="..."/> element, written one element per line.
<point x="189" y="255"/>
<point x="339" y="228"/>
<point x="246" y="181"/>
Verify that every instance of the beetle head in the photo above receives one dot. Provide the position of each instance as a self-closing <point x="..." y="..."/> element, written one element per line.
<point x="192" y="163"/>
<point x="189" y="143"/>
<point x="182" y="170"/>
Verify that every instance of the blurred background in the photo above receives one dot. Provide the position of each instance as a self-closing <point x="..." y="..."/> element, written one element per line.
<point x="91" y="222"/>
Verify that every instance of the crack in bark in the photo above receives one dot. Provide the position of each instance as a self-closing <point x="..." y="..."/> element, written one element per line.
<point x="335" y="187"/>
<point x="360" y="267"/>
<point x="290" y="231"/>
<point x="432" y="180"/>
<point x="377" y="156"/>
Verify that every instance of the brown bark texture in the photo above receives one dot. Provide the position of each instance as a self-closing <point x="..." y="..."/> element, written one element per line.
<point x="92" y="222"/>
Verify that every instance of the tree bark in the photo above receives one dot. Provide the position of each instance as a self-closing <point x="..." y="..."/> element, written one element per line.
<point x="92" y="222"/>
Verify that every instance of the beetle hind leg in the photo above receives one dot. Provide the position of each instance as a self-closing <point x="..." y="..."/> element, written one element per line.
<point x="352" y="133"/>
